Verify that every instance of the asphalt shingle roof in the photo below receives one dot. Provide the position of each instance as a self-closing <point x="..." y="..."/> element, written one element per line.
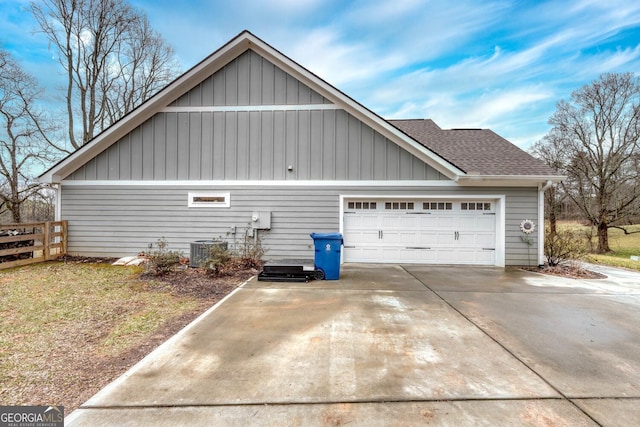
<point x="475" y="151"/>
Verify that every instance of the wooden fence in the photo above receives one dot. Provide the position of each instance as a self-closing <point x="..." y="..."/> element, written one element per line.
<point x="22" y="244"/>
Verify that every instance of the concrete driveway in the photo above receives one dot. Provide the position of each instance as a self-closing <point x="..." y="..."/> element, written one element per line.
<point x="395" y="345"/>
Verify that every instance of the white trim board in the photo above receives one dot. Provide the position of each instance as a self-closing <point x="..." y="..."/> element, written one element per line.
<point x="232" y="108"/>
<point x="262" y="183"/>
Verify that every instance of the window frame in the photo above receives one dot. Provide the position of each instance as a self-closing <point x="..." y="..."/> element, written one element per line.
<point x="213" y="194"/>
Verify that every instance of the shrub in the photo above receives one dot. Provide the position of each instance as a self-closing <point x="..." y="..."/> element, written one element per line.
<point x="161" y="259"/>
<point x="562" y="246"/>
<point x="219" y="262"/>
<point x="251" y="250"/>
<point x="247" y="254"/>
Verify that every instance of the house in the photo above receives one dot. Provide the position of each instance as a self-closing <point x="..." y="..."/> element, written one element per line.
<point x="249" y="141"/>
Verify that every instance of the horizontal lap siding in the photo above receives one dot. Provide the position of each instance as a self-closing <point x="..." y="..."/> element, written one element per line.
<point x="120" y="221"/>
<point x="521" y="204"/>
<point x="123" y="220"/>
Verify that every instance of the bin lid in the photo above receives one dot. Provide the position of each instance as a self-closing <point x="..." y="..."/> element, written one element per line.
<point x="336" y="236"/>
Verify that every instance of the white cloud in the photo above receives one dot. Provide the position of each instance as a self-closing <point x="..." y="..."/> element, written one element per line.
<point x="323" y="52"/>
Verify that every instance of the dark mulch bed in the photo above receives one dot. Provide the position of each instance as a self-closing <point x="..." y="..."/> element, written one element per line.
<point x="195" y="282"/>
<point x="570" y="271"/>
<point x="71" y="259"/>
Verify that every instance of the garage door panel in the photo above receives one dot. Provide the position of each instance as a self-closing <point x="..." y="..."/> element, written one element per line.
<point x="476" y="239"/>
<point x="431" y="233"/>
<point x="476" y="222"/>
<point x="445" y="256"/>
<point x="360" y="221"/>
<point x="399" y="221"/>
<point x="445" y="221"/>
<point x="400" y="237"/>
<point x="427" y="238"/>
<point x="361" y="254"/>
<point x="428" y="222"/>
<point x="361" y="237"/>
<point x="445" y="238"/>
<point x="485" y="257"/>
<point x="466" y="256"/>
<point x="486" y="222"/>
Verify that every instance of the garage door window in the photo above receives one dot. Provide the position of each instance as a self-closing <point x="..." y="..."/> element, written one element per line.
<point x="475" y="206"/>
<point x="437" y="206"/>
<point x="362" y="205"/>
<point x="399" y="206"/>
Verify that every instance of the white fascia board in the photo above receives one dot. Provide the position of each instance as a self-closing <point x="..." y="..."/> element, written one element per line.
<point x="236" y="108"/>
<point x="508" y="180"/>
<point x="259" y="183"/>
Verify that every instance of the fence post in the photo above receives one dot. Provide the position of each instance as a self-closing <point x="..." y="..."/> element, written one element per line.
<point x="64" y="229"/>
<point x="46" y="240"/>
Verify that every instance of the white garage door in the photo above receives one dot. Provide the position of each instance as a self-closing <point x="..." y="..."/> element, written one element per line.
<point x="420" y="231"/>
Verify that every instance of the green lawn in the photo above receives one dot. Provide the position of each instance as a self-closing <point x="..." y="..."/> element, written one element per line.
<point x="623" y="246"/>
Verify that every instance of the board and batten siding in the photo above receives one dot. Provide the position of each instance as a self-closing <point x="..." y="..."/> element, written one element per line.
<point x="255" y="145"/>
<point x="250" y="79"/>
<point x="122" y="220"/>
<point x="254" y="137"/>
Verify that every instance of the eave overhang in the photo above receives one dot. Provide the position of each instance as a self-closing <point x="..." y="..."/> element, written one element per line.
<point x="509" y="180"/>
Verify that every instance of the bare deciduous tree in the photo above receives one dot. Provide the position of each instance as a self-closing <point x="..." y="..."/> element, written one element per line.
<point x="113" y="60"/>
<point x="599" y="129"/>
<point x="553" y="152"/>
<point x="22" y="143"/>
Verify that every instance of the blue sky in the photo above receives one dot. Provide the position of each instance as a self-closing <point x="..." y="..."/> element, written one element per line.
<point x="490" y="64"/>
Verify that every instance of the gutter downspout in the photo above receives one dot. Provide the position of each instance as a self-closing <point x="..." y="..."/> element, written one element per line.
<point x="541" y="190"/>
<point x="58" y="213"/>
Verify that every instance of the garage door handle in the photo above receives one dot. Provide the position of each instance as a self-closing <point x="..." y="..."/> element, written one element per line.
<point x="488" y="249"/>
<point x="416" y="247"/>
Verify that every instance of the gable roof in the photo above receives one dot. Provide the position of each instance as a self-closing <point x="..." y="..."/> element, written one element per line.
<point x="475" y="151"/>
<point x="411" y="135"/>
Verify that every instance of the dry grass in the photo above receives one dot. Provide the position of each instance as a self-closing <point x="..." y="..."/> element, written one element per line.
<point x="68" y="329"/>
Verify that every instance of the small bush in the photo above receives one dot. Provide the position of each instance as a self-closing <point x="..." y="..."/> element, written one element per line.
<point x="247" y="254"/>
<point x="161" y="259"/>
<point x="219" y="262"/>
<point x="251" y="250"/>
<point x="562" y="247"/>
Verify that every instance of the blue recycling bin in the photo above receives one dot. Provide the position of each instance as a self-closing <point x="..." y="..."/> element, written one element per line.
<point x="327" y="253"/>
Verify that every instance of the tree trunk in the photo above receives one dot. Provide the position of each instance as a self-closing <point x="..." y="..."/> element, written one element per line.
<point x="553" y="206"/>
<point x="603" y="238"/>
<point x="15" y="213"/>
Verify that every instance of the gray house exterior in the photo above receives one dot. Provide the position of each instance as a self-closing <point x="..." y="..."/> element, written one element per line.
<point x="250" y="141"/>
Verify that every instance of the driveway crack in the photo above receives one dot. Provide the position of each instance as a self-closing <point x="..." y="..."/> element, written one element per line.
<point x="504" y="347"/>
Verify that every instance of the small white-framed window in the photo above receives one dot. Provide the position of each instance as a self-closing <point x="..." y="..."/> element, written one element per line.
<point x="209" y="199"/>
